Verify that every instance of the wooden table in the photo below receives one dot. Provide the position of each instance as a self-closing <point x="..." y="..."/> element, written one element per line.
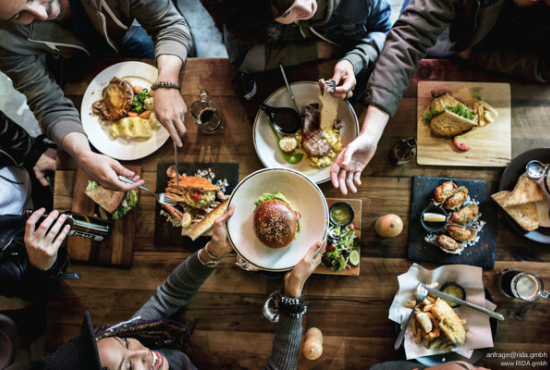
<point x="231" y="332"/>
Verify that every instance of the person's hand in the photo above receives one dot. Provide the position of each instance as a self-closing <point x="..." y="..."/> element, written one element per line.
<point x="170" y="111"/>
<point x="456" y="365"/>
<point x="346" y="170"/>
<point x="46" y="162"/>
<point x="219" y="246"/>
<point x="297" y="277"/>
<point x="41" y="245"/>
<point x="105" y="170"/>
<point x="344" y="78"/>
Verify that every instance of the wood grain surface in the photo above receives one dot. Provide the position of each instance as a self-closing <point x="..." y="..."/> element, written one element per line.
<point x="117" y="249"/>
<point x="491" y="145"/>
<point x="357" y="209"/>
<point x="231" y="332"/>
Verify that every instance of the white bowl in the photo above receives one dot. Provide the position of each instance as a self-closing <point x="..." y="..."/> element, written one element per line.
<point x="302" y="192"/>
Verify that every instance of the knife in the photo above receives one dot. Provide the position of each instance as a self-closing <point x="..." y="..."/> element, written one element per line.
<point x="177" y="168"/>
<point x="450" y="298"/>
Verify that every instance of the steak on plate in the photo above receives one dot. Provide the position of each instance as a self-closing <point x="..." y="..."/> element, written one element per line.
<point x="313" y="142"/>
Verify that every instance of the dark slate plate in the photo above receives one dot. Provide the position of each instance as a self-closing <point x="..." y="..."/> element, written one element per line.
<point x="481" y="254"/>
<point x="165" y="233"/>
<point x="508" y="180"/>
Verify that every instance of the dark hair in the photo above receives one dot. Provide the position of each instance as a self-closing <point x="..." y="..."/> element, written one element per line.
<point x="248" y="20"/>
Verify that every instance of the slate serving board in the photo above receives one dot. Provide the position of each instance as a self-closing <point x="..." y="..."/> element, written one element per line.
<point x="481" y="254"/>
<point x="165" y="233"/>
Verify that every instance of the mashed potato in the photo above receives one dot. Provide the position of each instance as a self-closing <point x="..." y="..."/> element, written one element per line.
<point x="333" y="138"/>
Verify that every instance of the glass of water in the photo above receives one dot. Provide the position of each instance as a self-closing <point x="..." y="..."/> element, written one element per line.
<point x="205" y="114"/>
<point x="521" y="285"/>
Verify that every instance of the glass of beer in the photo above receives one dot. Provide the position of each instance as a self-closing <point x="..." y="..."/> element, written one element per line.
<point x="205" y="114"/>
<point x="521" y="285"/>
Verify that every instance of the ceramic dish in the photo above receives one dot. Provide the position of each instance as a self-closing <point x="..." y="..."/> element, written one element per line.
<point x="305" y="92"/>
<point x="97" y="130"/>
<point x="302" y="192"/>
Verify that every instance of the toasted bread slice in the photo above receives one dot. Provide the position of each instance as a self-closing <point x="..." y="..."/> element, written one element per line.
<point x="526" y="191"/>
<point x="206" y="223"/>
<point x="449" y="322"/>
<point x="195" y="182"/>
<point x="450" y="124"/>
<point x="524" y="214"/>
<point x="109" y="200"/>
<point x="442" y="101"/>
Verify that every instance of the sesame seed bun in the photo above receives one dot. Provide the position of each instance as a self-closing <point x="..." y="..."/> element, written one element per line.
<point x="275" y="224"/>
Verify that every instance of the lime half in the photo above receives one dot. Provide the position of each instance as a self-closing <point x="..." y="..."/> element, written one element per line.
<point x="354" y="257"/>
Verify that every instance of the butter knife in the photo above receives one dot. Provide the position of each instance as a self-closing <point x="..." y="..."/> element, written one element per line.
<point x="450" y="298"/>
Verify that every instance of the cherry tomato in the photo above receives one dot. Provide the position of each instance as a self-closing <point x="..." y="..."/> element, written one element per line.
<point x="196" y="196"/>
<point x="331" y="248"/>
<point x="351" y="226"/>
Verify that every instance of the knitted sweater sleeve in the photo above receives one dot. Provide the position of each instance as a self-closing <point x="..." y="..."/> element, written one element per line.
<point x="286" y="345"/>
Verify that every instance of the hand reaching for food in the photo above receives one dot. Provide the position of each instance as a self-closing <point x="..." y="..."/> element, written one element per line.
<point x="105" y="170"/>
<point x="295" y="279"/>
<point x="170" y="111"/>
<point x="346" y="170"/>
<point x="219" y="246"/>
<point x="344" y="79"/>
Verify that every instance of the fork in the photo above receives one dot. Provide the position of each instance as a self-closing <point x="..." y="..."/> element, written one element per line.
<point x="162" y="198"/>
<point x="421" y="294"/>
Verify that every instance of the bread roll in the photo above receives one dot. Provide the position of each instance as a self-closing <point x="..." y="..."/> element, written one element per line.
<point x="275" y="224"/>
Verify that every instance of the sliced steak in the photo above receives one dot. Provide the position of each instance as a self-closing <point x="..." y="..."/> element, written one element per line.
<point x="313" y="142"/>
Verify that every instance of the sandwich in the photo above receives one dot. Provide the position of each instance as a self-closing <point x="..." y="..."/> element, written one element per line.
<point x="276" y="220"/>
<point x="117" y="203"/>
<point x="447" y="116"/>
<point x="526" y="191"/>
<point x="524" y="214"/>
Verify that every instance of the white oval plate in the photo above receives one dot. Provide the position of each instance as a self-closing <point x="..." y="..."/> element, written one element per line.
<point x="137" y="73"/>
<point x="302" y="192"/>
<point x="305" y="92"/>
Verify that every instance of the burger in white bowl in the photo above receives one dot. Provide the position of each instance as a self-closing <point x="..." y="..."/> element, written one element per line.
<point x="276" y="220"/>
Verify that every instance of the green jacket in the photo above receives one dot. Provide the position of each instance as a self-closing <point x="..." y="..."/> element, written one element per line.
<point x="25" y="48"/>
<point x="470" y="23"/>
<point x="359" y="27"/>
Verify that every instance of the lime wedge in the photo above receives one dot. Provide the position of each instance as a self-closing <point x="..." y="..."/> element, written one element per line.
<point x="434" y="217"/>
<point x="354" y="257"/>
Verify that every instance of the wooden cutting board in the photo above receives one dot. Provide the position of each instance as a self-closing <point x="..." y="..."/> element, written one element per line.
<point x="356" y="204"/>
<point x="117" y="250"/>
<point x="491" y="145"/>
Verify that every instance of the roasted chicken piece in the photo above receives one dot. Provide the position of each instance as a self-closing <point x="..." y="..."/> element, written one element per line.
<point x="448" y="243"/>
<point x="116" y="100"/>
<point x="465" y="215"/>
<point x="457" y="199"/>
<point x="444" y="191"/>
<point x="313" y="141"/>
<point x="461" y="233"/>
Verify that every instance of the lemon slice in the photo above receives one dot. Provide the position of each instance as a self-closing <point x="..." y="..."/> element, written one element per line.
<point x="434" y="217"/>
<point x="186" y="220"/>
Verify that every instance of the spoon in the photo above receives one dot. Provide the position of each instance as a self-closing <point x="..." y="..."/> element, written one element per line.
<point x="288" y="87"/>
<point x="535" y="169"/>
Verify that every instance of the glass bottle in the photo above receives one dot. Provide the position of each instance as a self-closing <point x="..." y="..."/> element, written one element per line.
<point x="245" y="85"/>
<point x="205" y="114"/>
<point x="84" y="226"/>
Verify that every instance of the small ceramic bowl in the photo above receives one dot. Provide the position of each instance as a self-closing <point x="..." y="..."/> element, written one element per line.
<point x="433" y="226"/>
<point x="341" y="214"/>
<point x="454" y="289"/>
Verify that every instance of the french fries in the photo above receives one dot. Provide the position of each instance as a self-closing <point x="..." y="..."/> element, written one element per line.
<point x="485" y="113"/>
<point x="435" y="338"/>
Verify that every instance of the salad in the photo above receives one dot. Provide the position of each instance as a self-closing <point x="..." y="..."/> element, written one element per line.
<point x="342" y="248"/>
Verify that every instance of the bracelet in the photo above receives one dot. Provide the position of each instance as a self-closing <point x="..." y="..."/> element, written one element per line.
<point x="164" y="85"/>
<point x="207" y="264"/>
<point x="208" y="253"/>
<point x="295" y="307"/>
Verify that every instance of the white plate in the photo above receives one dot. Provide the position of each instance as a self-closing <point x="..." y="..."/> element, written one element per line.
<point x="298" y="189"/>
<point x="305" y="92"/>
<point x="136" y="73"/>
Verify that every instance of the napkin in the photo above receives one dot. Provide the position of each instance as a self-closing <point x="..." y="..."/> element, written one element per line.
<point x="470" y="277"/>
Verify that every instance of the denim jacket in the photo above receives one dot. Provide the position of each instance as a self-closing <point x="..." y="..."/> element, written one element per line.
<point x="24" y="50"/>
<point x="358" y="26"/>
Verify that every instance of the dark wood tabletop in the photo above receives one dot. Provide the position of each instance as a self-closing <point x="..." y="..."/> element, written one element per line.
<point x="352" y="312"/>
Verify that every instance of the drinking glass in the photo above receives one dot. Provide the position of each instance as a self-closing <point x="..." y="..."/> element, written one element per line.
<point x="205" y="114"/>
<point x="528" y="287"/>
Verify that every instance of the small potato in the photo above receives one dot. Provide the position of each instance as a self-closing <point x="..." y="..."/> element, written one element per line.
<point x="137" y="89"/>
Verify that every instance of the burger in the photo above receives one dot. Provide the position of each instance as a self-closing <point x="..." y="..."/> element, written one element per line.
<point x="276" y="220"/>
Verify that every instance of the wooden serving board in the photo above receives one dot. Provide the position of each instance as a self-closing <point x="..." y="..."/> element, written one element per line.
<point x="356" y="204"/>
<point x="481" y="254"/>
<point x="491" y="145"/>
<point x="117" y="250"/>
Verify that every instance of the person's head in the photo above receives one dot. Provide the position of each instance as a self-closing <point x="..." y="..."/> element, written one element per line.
<point x="527" y="3"/>
<point x="27" y="11"/>
<point x="250" y="21"/>
<point x="128" y="354"/>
